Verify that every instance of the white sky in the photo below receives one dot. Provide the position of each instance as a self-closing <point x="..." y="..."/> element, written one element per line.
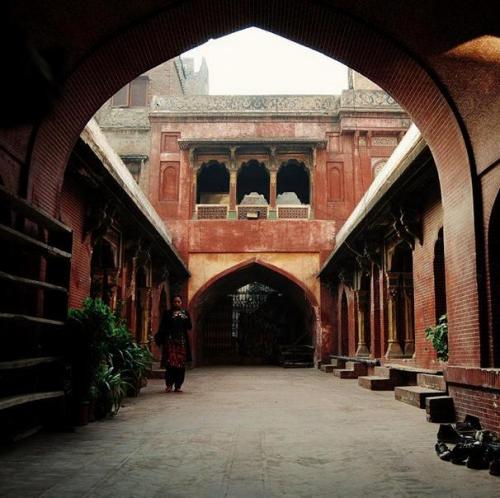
<point x="256" y="62"/>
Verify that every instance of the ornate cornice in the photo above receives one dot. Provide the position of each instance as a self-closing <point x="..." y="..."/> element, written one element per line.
<point x="367" y="99"/>
<point x="246" y="104"/>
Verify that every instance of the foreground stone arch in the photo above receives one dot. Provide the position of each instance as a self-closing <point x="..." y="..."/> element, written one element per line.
<point x="148" y="37"/>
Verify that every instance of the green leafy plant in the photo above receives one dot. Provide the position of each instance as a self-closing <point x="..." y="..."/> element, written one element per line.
<point x="107" y="362"/>
<point x="438" y="336"/>
<point x="110" y="388"/>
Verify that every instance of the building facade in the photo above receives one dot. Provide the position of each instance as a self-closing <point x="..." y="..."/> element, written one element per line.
<point x="253" y="187"/>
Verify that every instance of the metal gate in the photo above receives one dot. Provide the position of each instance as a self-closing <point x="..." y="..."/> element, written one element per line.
<point x="249" y="325"/>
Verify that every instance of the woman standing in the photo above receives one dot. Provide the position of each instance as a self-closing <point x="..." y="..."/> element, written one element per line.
<point x="173" y="338"/>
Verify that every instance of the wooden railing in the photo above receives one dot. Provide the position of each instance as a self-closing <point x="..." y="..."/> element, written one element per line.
<point x="35" y="259"/>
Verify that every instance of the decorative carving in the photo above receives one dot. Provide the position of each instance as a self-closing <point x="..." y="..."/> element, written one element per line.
<point x="346" y="277"/>
<point x="367" y="98"/>
<point x="296" y="104"/>
<point x="142" y="253"/>
<point x="99" y="219"/>
<point x="406" y="224"/>
<point x="385" y="141"/>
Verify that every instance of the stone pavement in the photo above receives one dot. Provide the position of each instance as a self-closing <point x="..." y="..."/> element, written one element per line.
<point x="245" y="432"/>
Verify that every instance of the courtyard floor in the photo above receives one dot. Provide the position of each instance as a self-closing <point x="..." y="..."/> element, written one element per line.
<point x="245" y="432"/>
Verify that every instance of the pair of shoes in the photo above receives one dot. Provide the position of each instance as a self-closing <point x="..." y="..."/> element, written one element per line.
<point x="443" y="451"/>
<point x="448" y="434"/>
<point x="168" y="389"/>
<point x="462" y="451"/>
<point x="477" y="458"/>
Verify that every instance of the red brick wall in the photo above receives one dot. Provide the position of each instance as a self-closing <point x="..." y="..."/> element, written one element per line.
<point x="72" y="207"/>
<point x="480" y="403"/>
<point x="423" y="278"/>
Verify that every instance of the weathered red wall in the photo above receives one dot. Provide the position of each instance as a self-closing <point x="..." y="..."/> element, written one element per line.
<point x="423" y="278"/>
<point x="72" y="212"/>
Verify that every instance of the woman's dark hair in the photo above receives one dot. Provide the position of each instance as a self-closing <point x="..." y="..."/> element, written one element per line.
<point x="174" y="296"/>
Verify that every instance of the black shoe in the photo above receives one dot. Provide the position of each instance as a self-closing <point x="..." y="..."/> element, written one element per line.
<point x="495" y="467"/>
<point x="477" y="457"/>
<point x="443" y="451"/>
<point x="447" y="434"/>
<point x="473" y="422"/>
<point x="460" y="453"/>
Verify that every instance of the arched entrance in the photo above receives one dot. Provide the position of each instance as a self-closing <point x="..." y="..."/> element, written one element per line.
<point x="252" y="177"/>
<point x="293" y="176"/>
<point x="212" y="184"/>
<point x="419" y="72"/>
<point x="494" y="263"/>
<point x="249" y="313"/>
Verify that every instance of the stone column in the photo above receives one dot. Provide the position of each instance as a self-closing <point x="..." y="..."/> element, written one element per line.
<point x="273" y="175"/>
<point x="362" y="302"/>
<point x="233" y="179"/>
<point x="393" y="347"/>
<point x="194" y="181"/>
<point x="272" y="189"/>
<point x="409" y="345"/>
<point x="145" y="297"/>
<point x="232" y="189"/>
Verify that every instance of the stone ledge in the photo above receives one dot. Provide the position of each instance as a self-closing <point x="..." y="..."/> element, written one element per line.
<point x="487" y="378"/>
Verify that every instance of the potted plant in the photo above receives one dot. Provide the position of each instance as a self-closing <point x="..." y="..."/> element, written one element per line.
<point x="438" y="336"/>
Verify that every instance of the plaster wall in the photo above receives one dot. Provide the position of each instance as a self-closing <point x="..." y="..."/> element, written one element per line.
<point x="303" y="266"/>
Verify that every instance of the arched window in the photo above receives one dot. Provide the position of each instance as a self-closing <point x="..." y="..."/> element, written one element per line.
<point x="439" y="277"/>
<point x="494" y="264"/>
<point x="212" y="184"/>
<point x="252" y="177"/>
<point x="293" y="177"/>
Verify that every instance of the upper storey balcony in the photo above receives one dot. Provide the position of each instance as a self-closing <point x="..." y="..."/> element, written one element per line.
<point x="252" y="178"/>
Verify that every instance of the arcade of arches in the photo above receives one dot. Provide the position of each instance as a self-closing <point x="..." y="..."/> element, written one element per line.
<point x="431" y="247"/>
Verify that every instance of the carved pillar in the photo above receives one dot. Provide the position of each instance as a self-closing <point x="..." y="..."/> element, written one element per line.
<point x="273" y="170"/>
<point x="272" y="189"/>
<point x="393" y="347"/>
<point x="113" y="276"/>
<point x="362" y="302"/>
<point x="194" y="182"/>
<point x="409" y="339"/>
<point x="233" y="178"/>
<point x="132" y="294"/>
<point x="194" y="179"/>
<point x="232" y="189"/>
<point x="145" y="297"/>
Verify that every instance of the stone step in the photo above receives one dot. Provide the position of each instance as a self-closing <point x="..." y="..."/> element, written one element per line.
<point x="382" y="372"/>
<point x="337" y="362"/>
<point x="359" y="368"/>
<point x="440" y="409"/>
<point x="415" y="395"/>
<point x="376" y="383"/>
<point x="345" y="373"/>
<point x="436" y="382"/>
<point x="328" y="368"/>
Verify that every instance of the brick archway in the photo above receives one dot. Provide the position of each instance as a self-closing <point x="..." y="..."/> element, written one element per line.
<point x="244" y="273"/>
<point x="149" y="41"/>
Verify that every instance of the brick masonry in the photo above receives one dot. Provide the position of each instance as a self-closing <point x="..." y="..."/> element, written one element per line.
<point x="460" y="124"/>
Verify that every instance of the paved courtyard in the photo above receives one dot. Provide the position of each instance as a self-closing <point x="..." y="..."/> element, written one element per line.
<point x="245" y="432"/>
